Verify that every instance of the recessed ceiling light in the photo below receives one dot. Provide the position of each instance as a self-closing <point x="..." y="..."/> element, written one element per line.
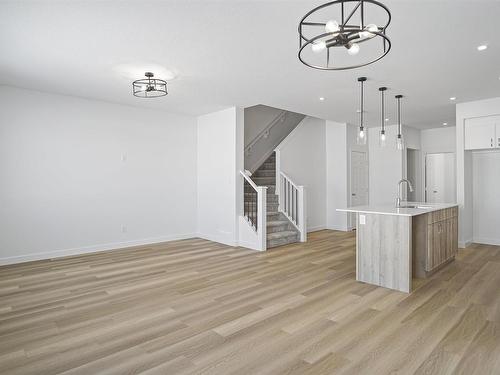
<point x="445" y="123"/>
<point x="453" y="98"/>
<point x="386" y="119"/>
<point x="482" y="47"/>
<point x="321" y="98"/>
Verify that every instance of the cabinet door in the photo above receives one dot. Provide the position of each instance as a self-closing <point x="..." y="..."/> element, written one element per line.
<point x="480" y="133"/>
<point x="434" y="248"/>
<point x="497" y="134"/>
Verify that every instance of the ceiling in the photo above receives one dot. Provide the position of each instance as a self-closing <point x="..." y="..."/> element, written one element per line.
<point x="243" y="53"/>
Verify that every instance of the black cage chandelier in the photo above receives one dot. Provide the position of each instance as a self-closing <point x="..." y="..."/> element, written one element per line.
<point x="149" y="87"/>
<point x="345" y="29"/>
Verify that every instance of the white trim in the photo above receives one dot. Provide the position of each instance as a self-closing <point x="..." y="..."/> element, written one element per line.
<point x="93" y="249"/>
<point x="249" y="246"/>
<point x="316" y="228"/>
<point x="342" y="228"/>
<point x="486" y="241"/>
<point x="464" y="244"/>
<point x="219" y="239"/>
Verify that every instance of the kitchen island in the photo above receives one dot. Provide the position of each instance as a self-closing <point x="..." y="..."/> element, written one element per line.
<point x="393" y="245"/>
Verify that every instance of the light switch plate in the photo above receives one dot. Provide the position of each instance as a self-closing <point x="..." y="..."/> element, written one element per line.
<point x="362" y="219"/>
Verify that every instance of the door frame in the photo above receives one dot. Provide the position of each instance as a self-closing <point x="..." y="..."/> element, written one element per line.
<point x="352" y="219"/>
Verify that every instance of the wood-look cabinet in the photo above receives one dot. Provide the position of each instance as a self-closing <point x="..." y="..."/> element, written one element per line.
<point x="435" y="240"/>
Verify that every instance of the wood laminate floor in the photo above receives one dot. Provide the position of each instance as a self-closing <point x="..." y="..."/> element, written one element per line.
<point x="197" y="307"/>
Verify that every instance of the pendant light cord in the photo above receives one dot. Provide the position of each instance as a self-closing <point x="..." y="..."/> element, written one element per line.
<point x="361" y="113"/>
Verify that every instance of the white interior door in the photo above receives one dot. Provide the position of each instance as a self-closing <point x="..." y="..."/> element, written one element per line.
<point x="440" y="183"/>
<point x="359" y="178"/>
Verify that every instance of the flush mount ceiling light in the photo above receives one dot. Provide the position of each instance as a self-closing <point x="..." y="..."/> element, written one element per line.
<point x="453" y="98"/>
<point x="482" y="47"/>
<point x="321" y="98"/>
<point x="345" y="29"/>
<point x="149" y="87"/>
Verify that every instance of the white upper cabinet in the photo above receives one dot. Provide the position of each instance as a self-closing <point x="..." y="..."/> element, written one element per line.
<point x="481" y="133"/>
<point x="497" y="125"/>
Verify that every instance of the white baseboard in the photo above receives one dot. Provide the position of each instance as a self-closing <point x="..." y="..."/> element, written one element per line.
<point x="248" y="245"/>
<point x="486" y="241"/>
<point x="92" y="249"/>
<point x="340" y="228"/>
<point x="316" y="228"/>
<point x="464" y="244"/>
<point x="215" y="238"/>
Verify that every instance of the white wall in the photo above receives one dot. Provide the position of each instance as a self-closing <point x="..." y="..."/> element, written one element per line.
<point x="80" y="175"/>
<point x="436" y="141"/>
<point x="303" y="158"/>
<point x="256" y="119"/>
<point x="220" y="188"/>
<point x="385" y="166"/>
<point x="337" y="182"/>
<point x="480" y="108"/>
<point x="260" y="118"/>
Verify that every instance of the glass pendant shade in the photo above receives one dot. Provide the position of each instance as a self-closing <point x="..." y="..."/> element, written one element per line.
<point x="362" y="133"/>
<point x="400" y="145"/>
<point x="382" y="136"/>
<point x="361" y="138"/>
<point x="382" y="139"/>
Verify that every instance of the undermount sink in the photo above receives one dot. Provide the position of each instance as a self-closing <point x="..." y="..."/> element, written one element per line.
<point x="414" y="206"/>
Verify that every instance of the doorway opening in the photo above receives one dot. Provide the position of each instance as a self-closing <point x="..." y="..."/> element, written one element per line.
<point x="440" y="185"/>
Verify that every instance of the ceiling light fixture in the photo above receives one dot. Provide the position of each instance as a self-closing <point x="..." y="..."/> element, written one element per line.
<point x="386" y="119"/>
<point x="382" y="119"/>
<point x="482" y="47"/>
<point x="361" y="138"/>
<point x="149" y="87"/>
<point x="445" y="123"/>
<point x="321" y="98"/>
<point x="453" y="98"/>
<point x="346" y="34"/>
<point x="399" y="139"/>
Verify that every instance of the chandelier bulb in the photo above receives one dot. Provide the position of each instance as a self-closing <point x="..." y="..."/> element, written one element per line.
<point x="318" y="46"/>
<point x="332" y="26"/>
<point x="352" y="49"/>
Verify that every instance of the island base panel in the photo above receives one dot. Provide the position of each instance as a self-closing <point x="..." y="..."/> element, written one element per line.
<point x="383" y="250"/>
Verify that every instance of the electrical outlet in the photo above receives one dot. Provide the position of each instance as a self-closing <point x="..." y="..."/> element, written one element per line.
<point x="362" y="219"/>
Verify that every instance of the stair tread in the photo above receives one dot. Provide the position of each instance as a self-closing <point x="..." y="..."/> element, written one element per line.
<point x="272" y="223"/>
<point x="285" y="233"/>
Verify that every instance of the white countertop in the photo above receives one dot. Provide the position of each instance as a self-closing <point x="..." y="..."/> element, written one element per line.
<point x="392" y="210"/>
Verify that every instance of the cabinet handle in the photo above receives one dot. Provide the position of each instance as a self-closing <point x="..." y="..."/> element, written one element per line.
<point x="491" y="139"/>
<point x="498" y="142"/>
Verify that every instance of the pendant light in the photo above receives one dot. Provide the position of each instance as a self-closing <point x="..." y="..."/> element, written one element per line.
<point x="382" y="139"/>
<point x="361" y="138"/>
<point x="399" y="140"/>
